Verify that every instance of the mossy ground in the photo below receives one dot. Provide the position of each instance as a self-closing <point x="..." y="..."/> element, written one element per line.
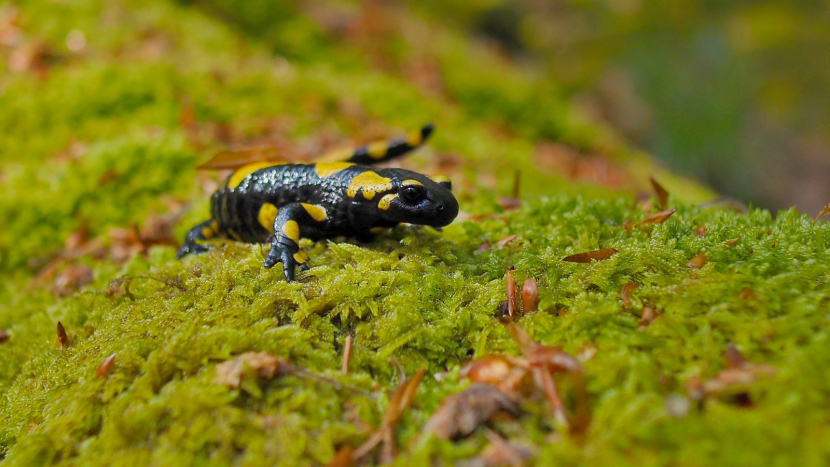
<point x="105" y="136"/>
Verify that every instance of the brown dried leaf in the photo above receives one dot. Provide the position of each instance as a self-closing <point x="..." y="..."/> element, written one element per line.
<point x="71" y="279"/>
<point x="509" y="204"/>
<point x="530" y="296"/>
<point x="824" y="211"/>
<point x="460" y="414"/>
<point x="658" y="218"/>
<point x="698" y="261"/>
<point x="499" y="370"/>
<point x="648" y="316"/>
<point x="63" y="339"/>
<point x="733" y="241"/>
<point x="626" y="290"/>
<point x="501" y="453"/>
<point x="347" y="355"/>
<point x="343" y="457"/>
<point x="700" y="230"/>
<point x="662" y="194"/>
<point x="485" y="245"/>
<point x="511" y="292"/>
<point x="746" y="293"/>
<point x="506" y="240"/>
<point x="105" y="367"/>
<point x="265" y="365"/>
<point x="588" y="256"/>
<point x="5" y="335"/>
<point x="734" y="358"/>
<point x="232" y="160"/>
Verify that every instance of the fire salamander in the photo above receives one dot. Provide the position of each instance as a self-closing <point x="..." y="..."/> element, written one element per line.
<point x="264" y="202"/>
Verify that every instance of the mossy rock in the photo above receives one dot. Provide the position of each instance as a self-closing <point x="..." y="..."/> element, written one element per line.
<point x="112" y="133"/>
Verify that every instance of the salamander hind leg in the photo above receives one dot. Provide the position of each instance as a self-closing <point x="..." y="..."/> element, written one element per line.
<point x="285" y="247"/>
<point x="203" y="231"/>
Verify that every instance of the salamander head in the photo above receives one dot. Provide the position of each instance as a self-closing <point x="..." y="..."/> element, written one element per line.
<point x="417" y="199"/>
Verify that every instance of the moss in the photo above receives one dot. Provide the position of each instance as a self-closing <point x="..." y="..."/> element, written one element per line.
<point x="109" y="139"/>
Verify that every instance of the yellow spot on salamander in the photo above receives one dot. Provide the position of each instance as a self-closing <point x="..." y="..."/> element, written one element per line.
<point x="207" y="233"/>
<point x="243" y="172"/>
<point x="267" y="214"/>
<point x="377" y="149"/>
<point x="214" y="226"/>
<point x="316" y="212"/>
<point x="292" y="230"/>
<point x="440" y="179"/>
<point x="415" y="138"/>
<point x="371" y="183"/>
<point x="301" y="257"/>
<point x="411" y="183"/>
<point x="327" y="169"/>
<point x="386" y="201"/>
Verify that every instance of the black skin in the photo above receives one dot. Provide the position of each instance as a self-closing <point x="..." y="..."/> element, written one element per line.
<point x="408" y="197"/>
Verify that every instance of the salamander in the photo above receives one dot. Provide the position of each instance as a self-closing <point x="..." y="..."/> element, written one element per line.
<point x="280" y="203"/>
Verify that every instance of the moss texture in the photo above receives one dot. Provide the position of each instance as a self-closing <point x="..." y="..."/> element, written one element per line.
<point x="103" y="137"/>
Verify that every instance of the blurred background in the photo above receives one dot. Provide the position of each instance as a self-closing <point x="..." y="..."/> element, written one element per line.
<point x="733" y="92"/>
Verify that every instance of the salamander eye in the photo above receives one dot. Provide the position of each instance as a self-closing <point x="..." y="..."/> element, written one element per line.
<point x="412" y="193"/>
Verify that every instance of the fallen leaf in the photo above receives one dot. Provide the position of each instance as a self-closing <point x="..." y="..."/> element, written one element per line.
<point x="700" y="230"/>
<point x="501" y="453"/>
<point x="5" y="335"/>
<point x="746" y="293"/>
<point x="71" y="279"/>
<point x="501" y="371"/>
<point x="347" y="355"/>
<point x="508" y="203"/>
<point x="485" y="245"/>
<point x="647" y="317"/>
<point x="105" y="367"/>
<point x="265" y="365"/>
<point x="626" y="290"/>
<point x="662" y="194"/>
<point x="658" y="218"/>
<point x="343" y="457"/>
<point x="588" y="256"/>
<point x="698" y="261"/>
<point x="511" y="293"/>
<point x="63" y="339"/>
<point x="530" y="296"/>
<point x="232" y="160"/>
<point x="824" y="211"/>
<point x="460" y="414"/>
<point x="733" y="241"/>
<point x="506" y="240"/>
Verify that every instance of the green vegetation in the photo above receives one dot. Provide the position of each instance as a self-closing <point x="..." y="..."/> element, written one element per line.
<point x="107" y="135"/>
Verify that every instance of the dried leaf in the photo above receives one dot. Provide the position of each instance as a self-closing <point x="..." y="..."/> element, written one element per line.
<point x="734" y="358"/>
<point x="501" y="371"/>
<point x="733" y="379"/>
<point x="506" y="240"/>
<point x="824" y="211"/>
<point x="700" y="230"/>
<point x="265" y="365"/>
<point x="105" y="367"/>
<point x="502" y="309"/>
<point x="648" y="316"/>
<point x="460" y="414"/>
<point x="698" y="261"/>
<point x="509" y="204"/>
<point x="485" y="245"/>
<point x="530" y="296"/>
<point x="746" y="293"/>
<point x="511" y="293"/>
<point x="63" y="339"/>
<point x="658" y="218"/>
<point x="347" y="355"/>
<point x="588" y="256"/>
<point x="5" y="335"/>
<point x="343" y="457"/>
<point x="71" y="279"/>
<point x="500" y="453"/>
<point x="662" y="194"/>
<point x="231" y="160"/>
<point x="733" y="241"/>
<point x="626" y="290"/>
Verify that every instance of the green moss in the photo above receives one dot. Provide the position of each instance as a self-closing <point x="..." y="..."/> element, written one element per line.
<point x="414" y="295"/>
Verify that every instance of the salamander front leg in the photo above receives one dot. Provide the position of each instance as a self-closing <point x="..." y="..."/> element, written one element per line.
<point x="203" y="231"/>
<point x="285" y="248"/>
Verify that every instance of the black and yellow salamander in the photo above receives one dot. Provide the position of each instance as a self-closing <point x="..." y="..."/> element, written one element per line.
<point x="264" y="202"/>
